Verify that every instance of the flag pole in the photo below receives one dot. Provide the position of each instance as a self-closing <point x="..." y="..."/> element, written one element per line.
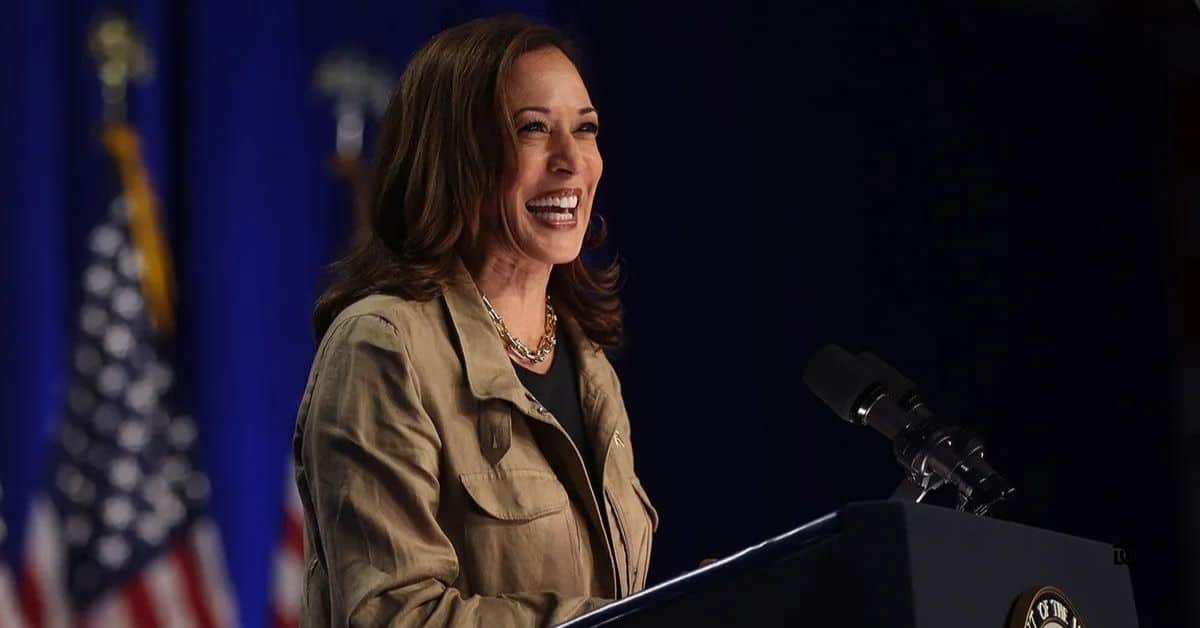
<point x="359" y="90"/>
<point x="122" y="59"/>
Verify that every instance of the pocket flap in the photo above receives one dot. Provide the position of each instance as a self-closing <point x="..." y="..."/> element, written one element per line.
<point x="641" y="492"/>
<point x="515" y="494"/>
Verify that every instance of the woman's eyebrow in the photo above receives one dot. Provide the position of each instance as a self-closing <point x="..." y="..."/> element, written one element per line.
<point x="546" y="110"/>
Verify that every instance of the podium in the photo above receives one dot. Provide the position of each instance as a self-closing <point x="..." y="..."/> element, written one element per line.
<point x="896" y="565"/>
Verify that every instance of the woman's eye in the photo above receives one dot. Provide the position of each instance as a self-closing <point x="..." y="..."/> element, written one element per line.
<point x="590" y="127"/>
<point x="535" y="126"/>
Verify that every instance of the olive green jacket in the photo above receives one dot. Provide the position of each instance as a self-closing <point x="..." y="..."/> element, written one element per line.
<point x="438" y="492"/>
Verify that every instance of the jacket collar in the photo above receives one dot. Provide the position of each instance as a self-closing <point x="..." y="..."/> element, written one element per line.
<point x="488" y="368"/>
<point x="488" y="371"/>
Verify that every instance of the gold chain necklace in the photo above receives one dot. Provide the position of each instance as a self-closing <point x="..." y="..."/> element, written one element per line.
<point x="545" y="345"/>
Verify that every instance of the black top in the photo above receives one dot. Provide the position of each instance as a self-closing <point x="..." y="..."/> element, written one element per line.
<point x="558" y="391"/>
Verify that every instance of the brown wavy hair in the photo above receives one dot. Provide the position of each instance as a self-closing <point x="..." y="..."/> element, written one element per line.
<point x="445" y="144"/>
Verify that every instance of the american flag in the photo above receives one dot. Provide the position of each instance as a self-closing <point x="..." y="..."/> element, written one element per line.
<point x="289" y="561"/>
<point x="119" y="536"/>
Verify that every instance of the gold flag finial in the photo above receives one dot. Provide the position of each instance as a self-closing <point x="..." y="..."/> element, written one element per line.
<point x="121" y="58"/>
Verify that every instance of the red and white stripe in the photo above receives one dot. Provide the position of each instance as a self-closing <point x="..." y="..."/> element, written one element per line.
<point x="289" y="562"/>
<point x="10" y="608"/>
<point x="209" y="560"/>
<point x="43" y="592"/>
<point x="184" y="588"/>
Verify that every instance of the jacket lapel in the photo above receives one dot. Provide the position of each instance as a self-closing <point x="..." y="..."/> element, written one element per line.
<point x="601" y="415"/>
<point x="489" y="372"/>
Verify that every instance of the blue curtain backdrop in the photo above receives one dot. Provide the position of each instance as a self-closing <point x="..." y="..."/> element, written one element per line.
<point x="974" y="193"/>
<point x="238" y="144"/>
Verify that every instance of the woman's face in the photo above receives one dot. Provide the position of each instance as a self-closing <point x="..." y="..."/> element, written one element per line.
<point x="550" y="189"/>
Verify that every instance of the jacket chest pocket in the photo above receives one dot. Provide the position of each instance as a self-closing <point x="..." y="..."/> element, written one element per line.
<point x="636" y="521"/>
<point x="520" y="533"/>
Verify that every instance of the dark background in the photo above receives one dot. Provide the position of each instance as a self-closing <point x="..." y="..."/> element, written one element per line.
<point x="994" y="197"/>
<point x="1001" y="198"/>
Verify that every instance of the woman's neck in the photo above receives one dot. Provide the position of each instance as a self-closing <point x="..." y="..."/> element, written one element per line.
<point x="517" y="291"/>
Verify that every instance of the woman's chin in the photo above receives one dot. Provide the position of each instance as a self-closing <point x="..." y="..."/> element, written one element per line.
<point x="562" y="254"/>
<point x="556" y="247"/>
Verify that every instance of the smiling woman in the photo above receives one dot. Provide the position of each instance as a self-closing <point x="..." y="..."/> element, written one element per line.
<point x="462" y="449"/>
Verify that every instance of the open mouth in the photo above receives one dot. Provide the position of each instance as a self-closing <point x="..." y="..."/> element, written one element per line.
<point x="557" y="208"/>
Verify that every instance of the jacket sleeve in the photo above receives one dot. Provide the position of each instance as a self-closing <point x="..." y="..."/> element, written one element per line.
<point x="370" y="456"/>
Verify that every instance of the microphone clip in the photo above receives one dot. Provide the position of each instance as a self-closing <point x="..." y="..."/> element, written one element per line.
<point x="936" y="456"/>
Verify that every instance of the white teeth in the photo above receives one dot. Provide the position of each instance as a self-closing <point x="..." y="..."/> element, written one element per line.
<point x="554" y="216"/>
<point x="567" y="202"/>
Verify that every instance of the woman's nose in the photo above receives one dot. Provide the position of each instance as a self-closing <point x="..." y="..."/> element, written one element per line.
<point x="566" y="158"/>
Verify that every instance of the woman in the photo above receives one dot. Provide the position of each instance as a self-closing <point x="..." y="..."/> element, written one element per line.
<point x="462" y="449"/>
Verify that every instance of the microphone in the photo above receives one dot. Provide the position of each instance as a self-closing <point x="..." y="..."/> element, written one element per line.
<point x="865" y="390"/>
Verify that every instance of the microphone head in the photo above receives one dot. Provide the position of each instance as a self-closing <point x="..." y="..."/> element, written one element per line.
<point x="839" y="379"/>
